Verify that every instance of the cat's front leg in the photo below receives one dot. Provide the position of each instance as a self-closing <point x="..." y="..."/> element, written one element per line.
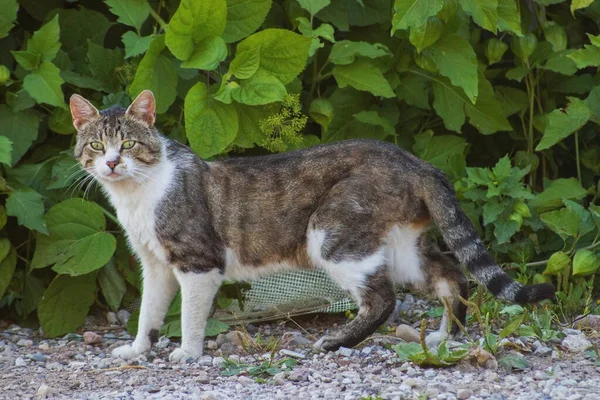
<point x="158" y="289"/>
<point x="198" y="290"/>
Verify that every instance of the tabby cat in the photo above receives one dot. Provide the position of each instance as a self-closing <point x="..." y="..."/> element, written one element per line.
<point x="357" y="209"/>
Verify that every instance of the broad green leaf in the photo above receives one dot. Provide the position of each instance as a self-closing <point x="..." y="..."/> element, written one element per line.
<point x="225" y="92"/>
<point x="82" y="81"/>
<point x="369" y="12"/>
<point x="210" y="126"/>
<point x="440" y="150"/>
<point x="8" y="264"/>
<point x="585" y="262"/>
<point x="321" y="111"/>
<point x="44" y="85"/>
<point x="426" y="34"/>
<point x="483" y="12"/>
<point x="374" y="118"/>
<point x="594" y="39"/>
<point x="346" y="102"/>
<point x="66" y="303"/>
<point x="504" y="230"/>
<point x="314" y="6"/>
<point x="414" y="13"/>
<point x="561" y="123"/>
<point x="448" y="104"/>
<point x="345" y="51"/>
<point x="77" y="242"/>
<point x="514" y="361"/>
<point x="103" y="65"/>
<point x="589" y="56"/>
<point x="586" y="224"/>
<point x="244" y="17"/>
<point x="564" y="222"/>
<point x="134" y="44"/>
<point x="512" y="100"/>
<point x="517" y="74"/>
<point x="19" y="101"/>
<point x="27" y="59"/>
<point x="130" y="12"/>
<point x="552" y="197"/>
<point x="5" y="151"/>
<point x="32" y="294"/>
<point x="77" y="26"/>
<point x="214" y="327"/>
<point x="192" y="22"/>
<point x="45" y="41"/>
<point x="61" y="122"/>
<point x="8" y="15"/>
<point x="28" y="206"/>
<point x="260" y="89"/>
<point x="365" y="76"/>
<point x="3" y="217"/>
<point x="249" y="133"/>
<point x="113" y="285"/>
<point x="414" y="90"/>
<point x="283" y="53"/>
<point x="157" y="73"/>
<point x="245" y="64"/>
<point x="511" y="327"/>
<point x="207" y="54"/>
<point x="593" y="103"/>
<point x="579" y="4"/>
<point x="337" y="14"/>
<point x="509" y="17"/>
<point x="65" y="171"/>
<point x="454" y="57"/>
<point x="560" y="62"/>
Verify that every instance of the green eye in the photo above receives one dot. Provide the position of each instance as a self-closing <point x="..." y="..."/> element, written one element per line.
<point x="128" y="144"/>
<point x="97" y="146"/>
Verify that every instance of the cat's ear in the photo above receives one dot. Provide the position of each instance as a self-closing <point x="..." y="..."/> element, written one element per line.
<point x="143" y="108"/>
<point x="82" y="111"/>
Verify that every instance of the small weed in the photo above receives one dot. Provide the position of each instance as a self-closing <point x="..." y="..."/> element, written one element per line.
<point x="265" y="369"/>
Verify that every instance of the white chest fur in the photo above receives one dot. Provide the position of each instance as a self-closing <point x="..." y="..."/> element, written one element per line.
<point x="136" y="204"/>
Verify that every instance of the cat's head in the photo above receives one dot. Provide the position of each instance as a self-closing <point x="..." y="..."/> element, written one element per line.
<point x="117" y="144"/>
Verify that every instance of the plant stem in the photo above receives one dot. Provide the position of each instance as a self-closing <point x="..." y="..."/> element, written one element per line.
<point x="544" y="262"/>
<point x="158" y="18"/>
<point x="577" y="155"/>
<point x="110" y="215"/>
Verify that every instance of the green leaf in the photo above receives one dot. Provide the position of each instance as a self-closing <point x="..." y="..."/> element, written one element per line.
<point x="112" y="284"/>
<point x="27" y="59"/>
<point x="552" y="197"/>
<point x="260" y="89"/>
<point x="365" y="76"/>
<point x="455" y="59"/>
<point x="207" y="54"/>
<point x="45" y="41"/>
<point x="509" y="17"/>
<point x="373" y="118"/>
<point x="135" y="44"/>
<point x="244" y="17"/>
<point x="156" y="73"/>
<point x="8" y="263"/>
<point x="8" y="16"/>
<point x="345" y="52"/>
<point x="314" y="6"/>
<point x="61" y="122"/>
<point x="28" y="206"/>
<point x="321" y="111"/>
<point x="82" y="81"/>
<point x="585" y="262"/>
<point x="192" y="22"/>
<point x="561" y="123"/>
<point x="589" y="56"/>
<point x="77" y="242"/>
<point x="249" y="133"/>
<point x="511" y="327"/>
<point x="439" y="150"/>
<point x="580" y="4"/>
<point x="65" y="171"/>
<point x="32" y="294"/>
<point x="130" y="12"/>
<point x="414" y="90"/>
<point x="3" y="217"/>
<point x="283" y="53"/>
<point x="211" y="126"/>
<point x="245" y="64"/>
<point x="66" y="303"/>
<point x="483" y="12"/>
<point x="557" y="263"/>
<point x="214" y="327"/>
<point x="414" y="13"/>
<point x="103" y="65"/>
<point x="513" y="361"/>
<point x="512" y="100"/>
<point x="44" y="85"/>
<point x="426" y="34"/>
<point x="564" y="222"/>
<point x="504" y="230"/>
<point x="5" y="151"/>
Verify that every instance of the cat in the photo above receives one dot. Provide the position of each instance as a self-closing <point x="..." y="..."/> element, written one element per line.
<point x="357" y="209"/>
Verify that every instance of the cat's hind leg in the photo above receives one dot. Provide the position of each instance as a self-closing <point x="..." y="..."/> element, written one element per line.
<point x="366" y="278"/>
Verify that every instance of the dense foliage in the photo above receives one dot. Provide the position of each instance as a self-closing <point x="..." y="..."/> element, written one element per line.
<point x="502" y="95"/>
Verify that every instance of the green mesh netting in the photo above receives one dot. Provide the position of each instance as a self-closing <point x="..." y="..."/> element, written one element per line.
<point x="289" y="294"/>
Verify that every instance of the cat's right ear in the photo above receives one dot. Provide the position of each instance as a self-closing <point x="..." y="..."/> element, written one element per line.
<point x="82" y="111"/>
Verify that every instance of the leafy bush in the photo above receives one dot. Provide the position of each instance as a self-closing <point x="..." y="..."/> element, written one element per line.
<point x="509" y="88"/>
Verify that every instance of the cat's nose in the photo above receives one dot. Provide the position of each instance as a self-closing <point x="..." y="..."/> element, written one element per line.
<point x="112" y="164"/>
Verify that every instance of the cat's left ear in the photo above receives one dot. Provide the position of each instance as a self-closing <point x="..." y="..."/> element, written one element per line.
<point x="143" y="108"/>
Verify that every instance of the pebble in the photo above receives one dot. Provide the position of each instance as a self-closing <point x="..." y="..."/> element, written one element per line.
<point x="218" y="361"/>
<point x="293" y="354"/>
<point x="38" y="357"/>
<point x="576" y="343"/>
<point x="123" y="317"/>
<point x="20" y="362"/>
<point x="212" y="345"/>
<point x="543" y="351"/>
<point x="238" y="338"/>
<point x="43" y="391"/>
<point x="408" y="333"/>
<point x="92" y="338"/>
<point x="111" y="318"/>
<point x="162" y="343"/>
<point x="591" y="321"/>
<point x="25" y="343"/>
<point x="345" y="352"/>
<point x="462" y="394"/>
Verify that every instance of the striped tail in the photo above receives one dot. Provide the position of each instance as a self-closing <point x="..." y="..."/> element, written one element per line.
<point x="462" y="238"/>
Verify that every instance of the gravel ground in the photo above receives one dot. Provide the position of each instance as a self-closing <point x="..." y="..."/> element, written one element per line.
<point x="32" y="367"/>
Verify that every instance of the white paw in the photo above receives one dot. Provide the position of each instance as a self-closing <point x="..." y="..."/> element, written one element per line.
<point x="128" y="351"/>
<point x="181" y="355"/>
<point x="434" y="339"/>
<point x="327" y="343"/>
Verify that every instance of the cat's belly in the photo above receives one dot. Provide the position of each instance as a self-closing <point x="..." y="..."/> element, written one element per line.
<point x="236" y="271"/>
